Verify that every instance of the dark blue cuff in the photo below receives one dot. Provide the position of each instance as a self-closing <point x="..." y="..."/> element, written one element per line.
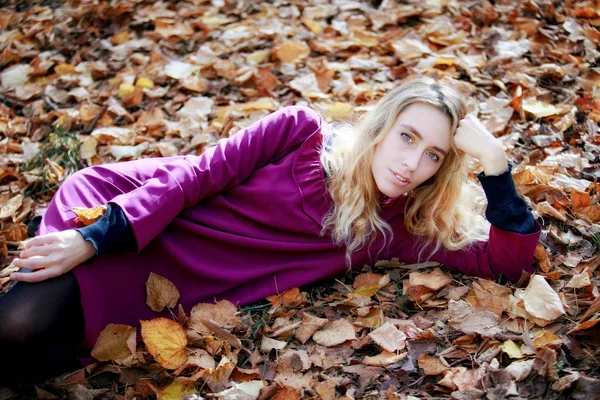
<point x="506" y="209"/>
<point x="111" y="233"/>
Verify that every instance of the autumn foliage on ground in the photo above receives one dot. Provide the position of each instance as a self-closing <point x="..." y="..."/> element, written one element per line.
<point x="90" y="82"/>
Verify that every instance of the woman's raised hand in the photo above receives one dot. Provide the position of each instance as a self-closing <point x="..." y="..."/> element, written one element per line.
<point x="474" y="139"/>
<point x="51" y="255"/>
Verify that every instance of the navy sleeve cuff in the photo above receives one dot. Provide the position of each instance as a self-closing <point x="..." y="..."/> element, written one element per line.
<point x="111" y="233"/>
<point x="506" y="209"/>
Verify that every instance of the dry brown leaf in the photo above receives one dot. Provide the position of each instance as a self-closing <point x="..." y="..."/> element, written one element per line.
<point x="291" y="51"/>
<point x="165" y="340"/>
<point x="287" y="393"/>
<point x="310" y="324"/>
<point x="334" y="333"/>
<point x="116" y="342"/>
<point x="160" y="293"/>
<point x="389" y="337"/>
<point x="432" y="365"/>
<point x="434" y="280"/>
<point x="291" y="297"/>
<point x="221" y="333"/>
<point x="384" y="359"/>
<point x="223" y="313"/>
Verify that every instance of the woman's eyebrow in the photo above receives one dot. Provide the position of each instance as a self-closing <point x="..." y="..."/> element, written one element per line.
<point x="413" y="130"/>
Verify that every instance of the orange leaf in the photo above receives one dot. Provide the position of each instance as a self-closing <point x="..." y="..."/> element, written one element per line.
<point x="88" y="216"/>
<point x="291" y="297"/>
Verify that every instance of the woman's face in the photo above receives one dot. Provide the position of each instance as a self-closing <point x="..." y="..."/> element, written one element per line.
<point x="412" y="151"/>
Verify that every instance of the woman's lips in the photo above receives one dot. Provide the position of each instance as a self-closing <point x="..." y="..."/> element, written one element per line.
<point x="400" y="179"/>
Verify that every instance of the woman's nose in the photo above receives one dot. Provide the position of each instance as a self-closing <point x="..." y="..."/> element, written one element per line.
<point x="411" y="160"/>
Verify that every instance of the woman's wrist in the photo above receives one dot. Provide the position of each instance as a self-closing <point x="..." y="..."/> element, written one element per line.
<point x="494" y="163"/>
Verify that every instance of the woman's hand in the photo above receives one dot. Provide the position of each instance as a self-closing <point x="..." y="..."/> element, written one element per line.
<point x="475" y="140"/>
<point x="52" y="255"/>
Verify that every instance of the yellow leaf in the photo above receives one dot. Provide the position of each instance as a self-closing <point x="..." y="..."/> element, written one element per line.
<point x="88" y="216"/>
<point x="177" y="389"/>
<point x="539" y="109"/>
<point x="512" y="349"/>
<point x="165" y="340"/>
<point x="64" y="69"/>
<point x="125" y="90"/>
<point x="314" y="26"/>
<point x="145" y="83"/>
<point x="160" y="293"/>
<point x="292" y="51"/>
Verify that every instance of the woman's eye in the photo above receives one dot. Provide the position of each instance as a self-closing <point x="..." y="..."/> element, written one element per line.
<point x="406" y="137"/>
<point x="434" y="156"/>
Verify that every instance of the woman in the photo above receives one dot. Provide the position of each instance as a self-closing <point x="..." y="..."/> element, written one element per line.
<point x="280" y="204"/>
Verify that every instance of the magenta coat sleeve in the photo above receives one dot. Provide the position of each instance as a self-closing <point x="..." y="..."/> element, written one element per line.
<point x="505" y="253"/>
<point x="186" y="180"/>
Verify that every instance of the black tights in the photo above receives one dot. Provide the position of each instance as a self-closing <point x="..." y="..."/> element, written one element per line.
<point x="41" y="328"/>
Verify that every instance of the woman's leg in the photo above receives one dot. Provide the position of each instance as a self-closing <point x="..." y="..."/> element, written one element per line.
<point x="41" y="327"/>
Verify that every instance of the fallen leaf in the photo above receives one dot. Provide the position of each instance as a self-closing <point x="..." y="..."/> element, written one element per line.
<point x="88" y="216"/>
<point x="165" y="340"/>
<point x="334" y="333"/>
<point x="160" y="293"/>
<point x="116" y="342"/>
<point x="541" y="301"/>
<point x="310" y="324"/>
<point x="434" y="280"/>
<point x="384" y="359"/>
<point x="432" y="365"/>
<point x="389" y="337"/>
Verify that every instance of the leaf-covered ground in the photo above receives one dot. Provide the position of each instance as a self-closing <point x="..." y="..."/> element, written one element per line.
<point x="91" y="82"/>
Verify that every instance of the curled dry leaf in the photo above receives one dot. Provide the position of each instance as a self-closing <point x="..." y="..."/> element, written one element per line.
<point x="116" y="342"/>
<point x="88" y="216"/>
<point x="432" y="365"/>
<point x="434" y="280"/>
<point x="384" y="359"/>
<point x="160" y="293"/>
<point x="223" y="313"/>
<point x="369" y="283"/>
<point x="389" y="337"/>
<point x="336" y="332"/>
<point x="520" y="370"/>
<point x="221" y="333"/>
<point x="165" y="340"/>
<point x="291" y="297"/>
<point x="10" y="208"/>
<point x="310" y="324"/>
<point x="541" y="301"/>
<point x="269" y="344"/>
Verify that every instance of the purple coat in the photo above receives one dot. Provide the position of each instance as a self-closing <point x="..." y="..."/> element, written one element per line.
<point x="240" y="222"/>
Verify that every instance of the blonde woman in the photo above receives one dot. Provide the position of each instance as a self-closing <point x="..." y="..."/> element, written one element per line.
<point x="280" y="204"/>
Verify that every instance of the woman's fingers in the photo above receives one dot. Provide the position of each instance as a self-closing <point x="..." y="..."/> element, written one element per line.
<point x="38" y="251"/>
<point x="36" y="276"/>
<point x="41" y="240"/>
<point x="36" y="262"/>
